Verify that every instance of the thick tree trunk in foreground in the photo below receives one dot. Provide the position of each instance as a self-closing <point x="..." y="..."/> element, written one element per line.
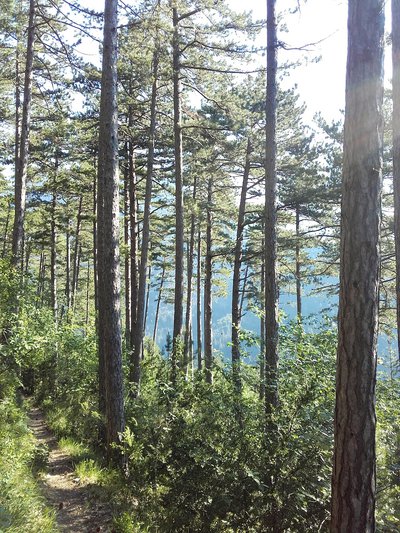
<point x="23" y="152"/>
<point x="110" y="349"/>
<point x="396" y="148"/>
<point x="237" y="264"/>
<point x="271" y="288"/>
<point x="353" y="480"/>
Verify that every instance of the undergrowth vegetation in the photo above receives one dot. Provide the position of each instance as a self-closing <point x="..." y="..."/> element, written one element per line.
<point x="22" y="507"/>
<point x="198" y="457"/>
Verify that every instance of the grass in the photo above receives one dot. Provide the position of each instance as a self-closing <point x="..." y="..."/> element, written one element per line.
<point x="22" y="506"/>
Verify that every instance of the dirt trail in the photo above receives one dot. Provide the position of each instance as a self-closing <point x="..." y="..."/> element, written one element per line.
<point x="77" y="511"/>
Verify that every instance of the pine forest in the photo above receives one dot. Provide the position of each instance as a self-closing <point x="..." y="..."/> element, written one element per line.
<point x="199" y="277"/>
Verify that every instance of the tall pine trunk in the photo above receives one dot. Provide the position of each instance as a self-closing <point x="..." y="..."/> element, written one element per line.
<point x="208" y="347"/>
<point x="160" y="290"/>
<point x="189" y="299"/>
<point x="179" y="223"/>
<point x="353" y="480"/>
<point x="23" y="152"/>
<point x="271" y="288"/>
<point x="237" y="264"/>
<point x="110" y="342"/>
<point x="145" y="245"/>
<point x="298" y="266"/>
<point x="396" y="148"/>
<point x="127" y="261"/>
<point x="198" y="303"/>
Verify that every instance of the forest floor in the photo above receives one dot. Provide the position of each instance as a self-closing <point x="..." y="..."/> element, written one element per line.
<point x="77" y="508"/>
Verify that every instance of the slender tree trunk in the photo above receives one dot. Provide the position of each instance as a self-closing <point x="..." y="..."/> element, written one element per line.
<point x="17" y="107"/>
<point x="198" y="303"/>
<point x="5" y="235"/>
<point x="134" y="367"/>
<point x="110" y="341"/>
<point x="87" y="294"/>
<point x="189" y="299"/>
<point x="40" y="275"/>
<point x="243" y="290"/>
<point x="262" y="332"/>
<point x="68" y="264"/>
<point x="298" y="265"/>
<point x="179" y="229"/>
<point x="208" y="348"/>
<point x="53" y="259"/>
<point x="160" y="290"/>
<point x="127" y="239"/>
<point x="95" y="260"/>
<point x="22" y="167"/>
<point x="237" y="264"/>
<point x="396" y="148"/>
<point x="75" y="268"/>
<point x="144" y="257"/>
<point x="353" y="480"/>
<point x="271" y="288"/>
<point x="146" y="312"/>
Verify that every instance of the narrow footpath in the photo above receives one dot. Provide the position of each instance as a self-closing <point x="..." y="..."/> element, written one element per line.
<point x="76" y="510"/>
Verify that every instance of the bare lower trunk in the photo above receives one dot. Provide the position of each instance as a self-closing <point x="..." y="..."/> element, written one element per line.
<point x="189" y="298"/>
<point x="160" y="290"/>
<point x="198" y="311"/>
<point x="208" y="348"/>
<point x="5" y="234"/>
<point x="271" y="288"/>
<point x="134" y="369"/>
<point x="53" y="261"/>
<point x="127" y="262"/>
<point x="68" y="265"/>
<point x="298" y="265"/>
<point x="353" y="479"/>
<point x="75" y="266"/>
<point x="146" y="311"/>
<point x="396" y="148"/>
<point x="110" y="345"/>
<point x="237" y="264"/>
<point x="262" y="335"/>
<point x="179" y="229"/>
<point x="145" y="245"/>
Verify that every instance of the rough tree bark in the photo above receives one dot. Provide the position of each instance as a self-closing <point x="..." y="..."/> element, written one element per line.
<point x="298" y="266"/>
<point x="189" y="299"/>
<point x="271" y="288"/>
<point x="208" y="347"/>
<point x="23" y="153"/>
<point x="237" y="264"/>
<point x="396" y="148"/>
<point x="110" y="342"/>
<point x="353" y="480"/>
<point x="160" y="290"/>
<point x="179" y="222"/>
<point x="198" y="303"/>
<point x="139" y="332"/>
